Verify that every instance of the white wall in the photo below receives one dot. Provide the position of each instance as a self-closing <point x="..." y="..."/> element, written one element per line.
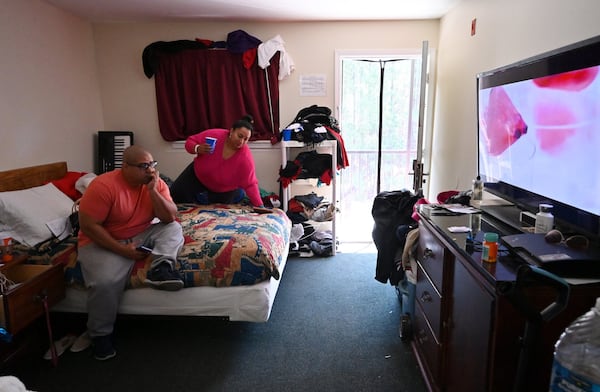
<point x="49" y="97"/>
<point x="507" y="31"/>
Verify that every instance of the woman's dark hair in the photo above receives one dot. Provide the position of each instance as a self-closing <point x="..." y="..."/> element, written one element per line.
<point x="244" y="122"/>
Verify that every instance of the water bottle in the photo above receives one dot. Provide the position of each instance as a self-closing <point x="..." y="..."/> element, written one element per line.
<point x="576" y="364"/>
<point x="477" y="189"/>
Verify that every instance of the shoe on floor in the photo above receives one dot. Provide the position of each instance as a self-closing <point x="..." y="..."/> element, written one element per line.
<point x="60" y="345"/>
<point x="323" y="248"/>
<point x="103" y="348"/>
<point x="81" y="343"/>
<point x="163" y="277"/>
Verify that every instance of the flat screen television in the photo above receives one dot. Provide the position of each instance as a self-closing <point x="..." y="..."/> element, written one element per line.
<point x="539" y="134"/>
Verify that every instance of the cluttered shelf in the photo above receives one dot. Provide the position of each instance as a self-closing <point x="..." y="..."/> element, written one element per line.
<point x="314" y="162"/>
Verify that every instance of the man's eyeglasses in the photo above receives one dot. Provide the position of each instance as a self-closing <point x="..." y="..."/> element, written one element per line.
<point x="574" y="242"/>
<point x="144" y="165"/>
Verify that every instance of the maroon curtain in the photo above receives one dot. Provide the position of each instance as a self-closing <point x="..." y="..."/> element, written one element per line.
<point x="201" y="89"/>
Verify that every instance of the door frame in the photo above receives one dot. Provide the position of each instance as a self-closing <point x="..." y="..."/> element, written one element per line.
<point x="427" y="128"/>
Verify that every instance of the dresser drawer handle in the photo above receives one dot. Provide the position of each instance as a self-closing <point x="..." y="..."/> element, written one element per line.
<point x="427" y="253"/>
<point x="426" y="297"/>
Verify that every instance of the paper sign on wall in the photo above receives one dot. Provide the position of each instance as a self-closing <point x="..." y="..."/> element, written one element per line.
<point x="313" y="85"/>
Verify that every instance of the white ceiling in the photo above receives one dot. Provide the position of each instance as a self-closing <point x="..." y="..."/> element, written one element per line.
<point x="256" y="10"/>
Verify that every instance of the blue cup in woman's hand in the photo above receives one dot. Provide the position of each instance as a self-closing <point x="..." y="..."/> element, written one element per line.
<point x="212" y="142"/>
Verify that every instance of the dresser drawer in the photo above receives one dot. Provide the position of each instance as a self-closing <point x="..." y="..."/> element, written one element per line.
<point x="431" y="255"/>
<point x="430" y="300"/>
<point x="429" y="348"/>
<point x="22" y="304"/>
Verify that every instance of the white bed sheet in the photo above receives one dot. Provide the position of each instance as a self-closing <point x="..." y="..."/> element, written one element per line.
<point x="238" y="303"/>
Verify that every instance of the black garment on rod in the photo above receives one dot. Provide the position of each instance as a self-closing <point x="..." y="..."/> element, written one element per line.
<point x="391" y="209"/>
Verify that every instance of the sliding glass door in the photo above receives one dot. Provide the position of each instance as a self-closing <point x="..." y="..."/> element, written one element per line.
<point x="379" y="97"/>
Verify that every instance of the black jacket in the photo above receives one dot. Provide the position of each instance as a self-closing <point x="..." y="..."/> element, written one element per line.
<point x="391" y="211"/>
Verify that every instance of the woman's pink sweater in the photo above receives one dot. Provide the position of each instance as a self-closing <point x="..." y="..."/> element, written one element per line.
<point x="225" y="175"/>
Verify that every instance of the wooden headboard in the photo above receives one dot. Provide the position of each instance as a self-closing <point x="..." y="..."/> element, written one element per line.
<point x="27" y="177"/>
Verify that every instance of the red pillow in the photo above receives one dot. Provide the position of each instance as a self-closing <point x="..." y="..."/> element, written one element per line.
<point x="67" y="184"/>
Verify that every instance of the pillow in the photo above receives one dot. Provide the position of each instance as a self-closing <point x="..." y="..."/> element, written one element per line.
<point x="27" y="211"/>
<point x="67" y="184"/>
<point x="83" y="182"/>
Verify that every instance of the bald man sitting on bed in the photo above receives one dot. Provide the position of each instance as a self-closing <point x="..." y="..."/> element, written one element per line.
<point x="116" y="215"/>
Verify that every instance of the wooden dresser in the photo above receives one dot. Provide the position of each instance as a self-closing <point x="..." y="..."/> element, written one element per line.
<point x="467" y="334"/>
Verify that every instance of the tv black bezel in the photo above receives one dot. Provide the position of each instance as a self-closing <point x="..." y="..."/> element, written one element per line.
<point x="579" y="55"/>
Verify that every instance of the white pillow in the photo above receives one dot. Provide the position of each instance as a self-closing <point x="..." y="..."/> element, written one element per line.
<point x="83" y="182"/>
<point x="27" y="211"/>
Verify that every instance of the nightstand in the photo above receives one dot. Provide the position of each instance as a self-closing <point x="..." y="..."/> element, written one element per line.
<point x="38" y="288"/>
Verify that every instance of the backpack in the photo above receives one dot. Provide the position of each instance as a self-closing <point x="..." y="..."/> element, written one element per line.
<point x="317" y="115"/>
<point x="312" y="121"/>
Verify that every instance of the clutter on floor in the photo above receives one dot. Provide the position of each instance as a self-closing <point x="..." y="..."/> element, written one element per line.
<point x="308" y="238"/>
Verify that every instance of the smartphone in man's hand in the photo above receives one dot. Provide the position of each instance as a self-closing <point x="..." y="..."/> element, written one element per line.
<point x="143" y="248"/>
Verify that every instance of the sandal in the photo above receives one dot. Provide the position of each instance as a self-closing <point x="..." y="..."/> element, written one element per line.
<point x="83" y="341"/>
<point x="60" y="345"/>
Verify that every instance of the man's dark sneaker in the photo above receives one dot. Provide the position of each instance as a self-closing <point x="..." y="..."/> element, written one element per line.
<point x="163" y="277"/>
<point x="103" y="348"/>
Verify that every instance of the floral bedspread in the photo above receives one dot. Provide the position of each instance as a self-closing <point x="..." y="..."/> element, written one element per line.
<point x="228" y="245"/>
<point x="225" y="245"/>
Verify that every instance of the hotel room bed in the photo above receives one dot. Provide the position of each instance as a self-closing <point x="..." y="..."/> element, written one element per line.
<point x="232" y="260"/>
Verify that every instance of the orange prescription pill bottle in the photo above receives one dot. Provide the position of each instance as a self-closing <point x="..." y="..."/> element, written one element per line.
<point x="7" y="249"/>
<point x="490" y="247"/>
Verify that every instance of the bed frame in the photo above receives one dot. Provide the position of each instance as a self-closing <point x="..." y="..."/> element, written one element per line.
<point x="239" y="303"/>
<point x="28" y="177"/>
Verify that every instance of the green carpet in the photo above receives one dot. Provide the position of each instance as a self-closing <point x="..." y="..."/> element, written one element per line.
<point x="333" y="328"/>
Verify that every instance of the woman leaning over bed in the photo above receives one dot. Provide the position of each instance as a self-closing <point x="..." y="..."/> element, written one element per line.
<point x="219" y="174"/>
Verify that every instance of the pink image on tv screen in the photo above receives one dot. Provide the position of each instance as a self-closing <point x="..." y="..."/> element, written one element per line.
<point x="503" y="122"/>
<point x="572" y="81"/>
<point x="559" y="119"/>
<point x="556" y="124"/>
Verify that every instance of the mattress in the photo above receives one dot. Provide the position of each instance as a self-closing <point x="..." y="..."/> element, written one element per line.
<point x="237" y="303"/>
